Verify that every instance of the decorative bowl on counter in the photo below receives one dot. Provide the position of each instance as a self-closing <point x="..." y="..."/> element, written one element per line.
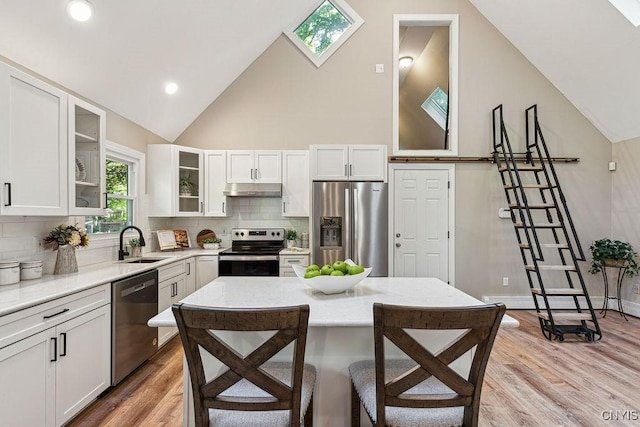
<point x="330" y="284"/>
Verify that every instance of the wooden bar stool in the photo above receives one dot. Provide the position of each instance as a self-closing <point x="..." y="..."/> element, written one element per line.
<point x="424" y="390"/>
<point x="250" y="390"/>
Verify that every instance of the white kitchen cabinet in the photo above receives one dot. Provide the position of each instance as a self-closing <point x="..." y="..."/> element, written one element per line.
<point x="248" y="166"/>
<point x="286" y="261"/>
<point x="171" y="289"/>
<point x="55" y="358"/>
<point x="169" y="166"/>
<point x="190" y="276"/>
<point x="215" y="179"/>
<point x="33" y="146"/>
<point x="295" y="183"/>
<point x="87" y="139"/>
<point x="206" y="269"/>
<point x="349" y="163"/>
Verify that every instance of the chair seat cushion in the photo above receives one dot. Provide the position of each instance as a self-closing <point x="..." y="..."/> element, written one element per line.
<point x="363" y="376"/>
<point x="246" y="391"/>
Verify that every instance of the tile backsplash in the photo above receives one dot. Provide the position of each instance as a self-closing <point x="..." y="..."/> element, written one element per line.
<point x="21" y="237"/>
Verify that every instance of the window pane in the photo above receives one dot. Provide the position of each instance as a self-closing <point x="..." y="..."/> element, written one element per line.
<point x="119" y="215"/>
<point x="324" y="26"/>
<point x="117" y="178"/>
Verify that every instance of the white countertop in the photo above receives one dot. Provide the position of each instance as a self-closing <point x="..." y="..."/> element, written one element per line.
<point x="29" y="293"/>
<point x="349" y="309"/>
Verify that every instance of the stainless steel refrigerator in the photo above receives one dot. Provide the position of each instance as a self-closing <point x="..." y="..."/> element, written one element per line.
<point x="350" y="220"/>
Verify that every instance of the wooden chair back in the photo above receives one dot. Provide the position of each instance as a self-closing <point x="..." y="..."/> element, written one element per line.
<point x="197" y="326"/>
<point x="481" y="324"/>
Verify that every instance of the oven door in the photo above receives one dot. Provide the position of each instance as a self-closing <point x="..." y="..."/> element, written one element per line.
<point x="249" y="265"/>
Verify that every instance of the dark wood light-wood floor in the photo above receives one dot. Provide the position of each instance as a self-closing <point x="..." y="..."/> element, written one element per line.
<point x="529" y="382"/>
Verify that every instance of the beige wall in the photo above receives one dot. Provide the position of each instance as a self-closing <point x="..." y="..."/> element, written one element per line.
<point x="625" y="216"/>
<point x="282" y="101"/>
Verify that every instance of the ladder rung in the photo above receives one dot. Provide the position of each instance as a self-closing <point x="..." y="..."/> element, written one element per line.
<point x="566" y="316"/>
<point x="523" y="168"/>
<point x="510" y="186"/>
<point x="558" y="291"/>
<point x="534" y="206"/>
<point x="551" y="267"/>
<point x="547" y="245"/>
<point x="541" y="225"/>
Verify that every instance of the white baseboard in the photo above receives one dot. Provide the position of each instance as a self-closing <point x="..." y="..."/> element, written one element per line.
<point x="526" y="303"/>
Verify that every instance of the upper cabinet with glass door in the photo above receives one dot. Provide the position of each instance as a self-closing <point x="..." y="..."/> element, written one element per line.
<point x="175" y="177"/>
<point x="87" y="139"/>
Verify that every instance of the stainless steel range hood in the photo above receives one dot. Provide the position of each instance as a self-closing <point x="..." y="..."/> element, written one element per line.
<point x="253" y="190"/>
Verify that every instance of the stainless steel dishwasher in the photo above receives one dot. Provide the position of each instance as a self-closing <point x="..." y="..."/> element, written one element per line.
<point x="134" y="300"/>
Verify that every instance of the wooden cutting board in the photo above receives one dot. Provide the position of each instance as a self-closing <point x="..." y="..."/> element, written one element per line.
<point x="203" y="235"/>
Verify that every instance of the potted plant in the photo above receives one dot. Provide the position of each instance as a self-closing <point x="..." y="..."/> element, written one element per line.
<point x="211" y="243"/>
<point x="185" y="186"/>
<point x="136" y="249"/>
<point x="291" y="236"/>
<point x="613" y="253"/>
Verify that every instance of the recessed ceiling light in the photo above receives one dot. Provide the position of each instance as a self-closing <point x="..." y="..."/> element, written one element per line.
<point x="170" y="88"/>
<point x="80" y="10"/>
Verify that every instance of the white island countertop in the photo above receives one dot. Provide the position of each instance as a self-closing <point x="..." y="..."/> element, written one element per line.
<point x="349" y="309"/>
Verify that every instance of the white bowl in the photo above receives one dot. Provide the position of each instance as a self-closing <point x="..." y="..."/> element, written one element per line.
<point x="330" y="284"/>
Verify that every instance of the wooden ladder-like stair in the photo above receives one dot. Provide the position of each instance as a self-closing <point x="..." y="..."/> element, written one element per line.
<point x="547" y="239"/>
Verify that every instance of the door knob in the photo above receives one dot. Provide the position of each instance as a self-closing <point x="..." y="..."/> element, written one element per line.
<point x="398" y="245"/>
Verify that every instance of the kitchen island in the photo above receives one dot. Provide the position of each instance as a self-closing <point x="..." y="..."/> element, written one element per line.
<point x="340" y="326"/>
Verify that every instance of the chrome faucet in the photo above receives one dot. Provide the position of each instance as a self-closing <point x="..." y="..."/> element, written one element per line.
<point x="121" y="251"/>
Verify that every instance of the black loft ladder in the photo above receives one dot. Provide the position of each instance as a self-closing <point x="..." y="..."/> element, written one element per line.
<point x="546" y="235"/>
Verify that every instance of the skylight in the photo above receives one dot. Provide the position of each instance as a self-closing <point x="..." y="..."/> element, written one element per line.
<point x="629" y="8"/>
<point x="436" y="106"/>
<point x="325" y="29"/>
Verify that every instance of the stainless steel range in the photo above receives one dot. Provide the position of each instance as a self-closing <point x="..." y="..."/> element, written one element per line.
<point x="253" y="252"/>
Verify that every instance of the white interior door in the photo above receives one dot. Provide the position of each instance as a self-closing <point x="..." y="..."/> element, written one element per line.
<point x="421" y="223"/>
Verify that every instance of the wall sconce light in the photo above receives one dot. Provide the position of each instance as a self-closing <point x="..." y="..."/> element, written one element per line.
<point x="80" y="10"/>
<point x="405" y="62"/>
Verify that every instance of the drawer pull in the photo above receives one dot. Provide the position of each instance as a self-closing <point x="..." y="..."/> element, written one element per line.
<point x="294" y="261"/>
<point x="55" y="314"/>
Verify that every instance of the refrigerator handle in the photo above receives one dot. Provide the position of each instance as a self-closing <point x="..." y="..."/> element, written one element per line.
<point x="347" y="224"/>
<point x="354" y="225"/>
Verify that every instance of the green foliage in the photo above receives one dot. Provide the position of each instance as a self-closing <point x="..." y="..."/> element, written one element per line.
<point x="134" y="242"/>
<point x="117" y="178"/>
<point x="322" y="28"/>
<point x="212" y="240"/>
<point x="291" y="234"/>
<point x="613" y="249"/>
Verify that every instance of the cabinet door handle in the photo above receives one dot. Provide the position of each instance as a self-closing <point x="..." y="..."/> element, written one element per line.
<point x="350" y="170"/>
<point x="346" y="172"/>
<point x="202" y="207"/>
<point x="54" y="341"/>
<point x="222" y="207"/>
<point x="106" y="196"/>
<point x="63" y="339"/>
<point x="55" y="314"/>
<point x="188" y="269"/>
<point x="8" y="185"/>
<point x="284" y="207"/>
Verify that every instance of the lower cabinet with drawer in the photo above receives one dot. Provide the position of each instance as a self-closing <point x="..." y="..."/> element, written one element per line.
<point x="286" y="261"/>
<point x="62" y="363"/>
<point x="171" y="289"/>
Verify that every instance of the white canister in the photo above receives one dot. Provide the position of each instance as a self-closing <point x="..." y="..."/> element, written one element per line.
<point x="30" y="270"/>
<point x="9" y="272"/>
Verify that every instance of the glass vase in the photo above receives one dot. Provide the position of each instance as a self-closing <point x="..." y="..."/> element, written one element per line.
<point x="66" y="260"/>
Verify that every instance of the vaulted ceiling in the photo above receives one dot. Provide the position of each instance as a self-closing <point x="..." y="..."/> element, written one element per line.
<point x="124" y="55"/>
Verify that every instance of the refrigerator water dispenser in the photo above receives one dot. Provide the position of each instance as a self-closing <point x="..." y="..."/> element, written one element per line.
<point x="330" y="231"/>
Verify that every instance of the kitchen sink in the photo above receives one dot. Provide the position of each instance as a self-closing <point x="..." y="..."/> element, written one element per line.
<point x="148" y="260"/>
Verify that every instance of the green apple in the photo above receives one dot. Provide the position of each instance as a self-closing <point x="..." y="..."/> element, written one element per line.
<point x="313" y="267"/>
<point x="337" y="273"/>
<point x="326" y="270"/>
<point x="311" y="274"/>
<point x="341" y="266"/>
<point x="355" y="269"/>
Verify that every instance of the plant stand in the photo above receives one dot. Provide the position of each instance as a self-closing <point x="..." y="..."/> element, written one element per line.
<point x="622" y="266"/>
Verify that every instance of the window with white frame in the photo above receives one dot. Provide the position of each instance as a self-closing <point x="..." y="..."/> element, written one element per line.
<point x="122" y="185"/>
<point x="324" y="29"/>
